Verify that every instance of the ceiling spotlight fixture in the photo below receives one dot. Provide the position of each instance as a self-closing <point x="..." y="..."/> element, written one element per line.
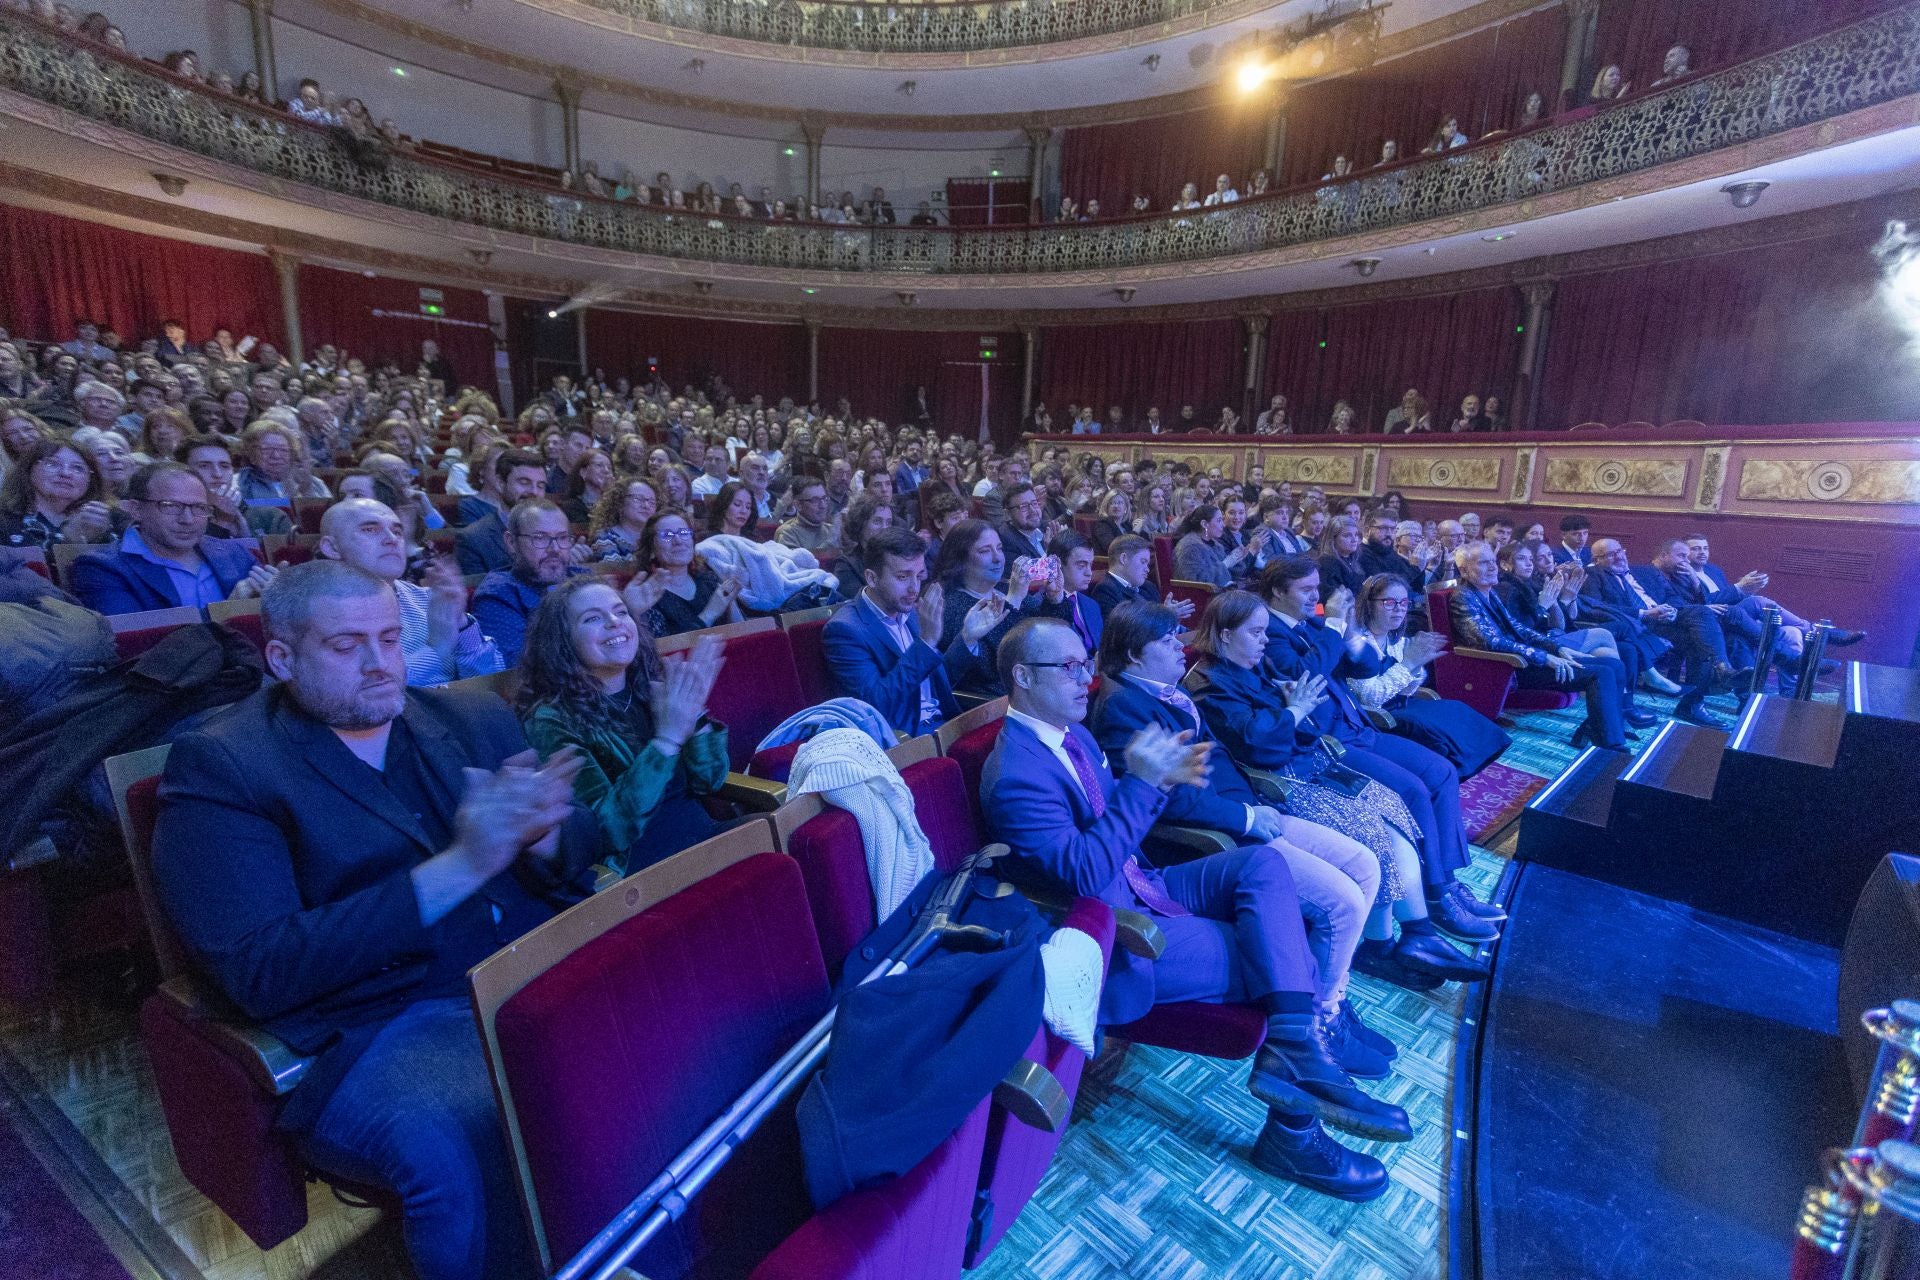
<point x="1151" y="62"/>
<point x="170" y="184"/>
<point x="907" y="299"/>
<point x="909" y="87"/>
<point x="1124" y="293"/>
<point x="1252" y="74"/>
<point x="1498" y="236"/>
<point x="481" y="256"/>
<point x="703" y="287"/>
<point x="401" y="72"/>
<point x="553" y="313"/>
<point x="1745" y="195"/>
<point x="1365" y="266"/>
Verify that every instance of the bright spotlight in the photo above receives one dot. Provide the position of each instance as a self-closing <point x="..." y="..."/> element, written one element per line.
<point x="553" y="314"/>
<point x="1253" y="74"/>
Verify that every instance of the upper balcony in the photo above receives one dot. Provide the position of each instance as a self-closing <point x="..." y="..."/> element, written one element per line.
<point x="1512" y="177"/>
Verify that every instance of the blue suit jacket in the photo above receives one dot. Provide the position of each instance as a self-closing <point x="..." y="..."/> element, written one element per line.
<point x="1314" y="648"/>
<point x="1247" y="714"/>
<point x="864" y="662"/>
<point x="1110" y="593"/>
<point x="1126" y="707"/>
<point x="1091" y="615"/>
<point x="1563" y="556"/>
<point x="115" y="582"/>
<point x="1039" y="812"/>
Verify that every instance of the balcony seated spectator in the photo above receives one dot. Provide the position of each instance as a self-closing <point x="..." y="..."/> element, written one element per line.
<point x="1677" y="65"/>
<point x="308" y="104"/>
<point x="1409" y="417"/>
<point x="1609" y="86"/>
<point x="166" y="560"/>
<point x="53" y="494"/>
<point x="1471" y="418"/>
<point x="1223" y="192"/>
<point x="1272" y="420"/>
<point x="539" y="545"/>
<point x="335" y="853"/>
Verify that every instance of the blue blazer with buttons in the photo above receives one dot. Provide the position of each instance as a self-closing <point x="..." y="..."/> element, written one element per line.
<point x="864" y="662"/>
<point x="112" y="581"/>
<point x="1124" y="708"/>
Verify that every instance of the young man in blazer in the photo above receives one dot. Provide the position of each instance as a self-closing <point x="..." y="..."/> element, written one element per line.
<point x="1232" y="921"/>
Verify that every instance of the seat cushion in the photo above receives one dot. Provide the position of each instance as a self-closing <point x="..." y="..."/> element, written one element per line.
<point x="944" y="809"/>
<point x="757" y="692"/>
<point x="775" y="763"/>
<point x="1230" y="1031"/>
<point x="833" y="862"/>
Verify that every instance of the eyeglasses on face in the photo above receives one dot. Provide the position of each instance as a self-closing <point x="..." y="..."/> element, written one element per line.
<point x="675" y="535"/>
<point x="541" y="541"/>
<point x="1079" y="670"/>
<point x="169" y="509"/>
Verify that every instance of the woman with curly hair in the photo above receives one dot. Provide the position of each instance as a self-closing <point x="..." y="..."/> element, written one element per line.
<point x="620" y="518"/>
<point x="591" y="680"/>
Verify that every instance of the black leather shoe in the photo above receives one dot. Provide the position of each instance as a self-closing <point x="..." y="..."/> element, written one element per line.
<point x="1434" y="956"/>
<point x="1456" y="921"/>
<point x="1458" y="890"/>
<point x="1286" y="1071"/>
<point x="1367" y="1035"/>
<point x="1729" y="679"/>
<point x="1358" y="1057"/>
<point x="1840" y="638"/>
<point x="1583" y="737"/>
<point x="1694" y="713"/>
<point x="1309" y="1156"/>
<point x="1640" y="719"/>
<point x="1377" y="960"/>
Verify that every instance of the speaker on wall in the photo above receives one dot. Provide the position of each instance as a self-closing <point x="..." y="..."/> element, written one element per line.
<point x="1881" y="960"/>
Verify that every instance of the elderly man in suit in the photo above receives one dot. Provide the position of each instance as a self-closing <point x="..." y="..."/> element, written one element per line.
<point x="335" y="853"/>
<point x="166" y="560"/>
<point x="1671" y="610"/>
<point x="1232" y="921"/>
<point x="880" y="645"/>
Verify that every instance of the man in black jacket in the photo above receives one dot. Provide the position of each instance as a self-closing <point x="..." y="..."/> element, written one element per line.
<point x="335" y="853"/>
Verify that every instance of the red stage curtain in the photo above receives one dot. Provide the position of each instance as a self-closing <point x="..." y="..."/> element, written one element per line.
<point x="878" y="369"/>
<point x="1112" y="163"/>
<point x="339" y="307"/>
<point x="1137" y="366"/>
<point x="979" y="202"/>
<point x="1483" y="78"/>
<point x="768" y="360"/>
<point x="1793" y="332"/>
<point x="1293" y="365"/>
<point x="56" y="270"/>
<point x="1637" y="33"/>
<point x="1444" y="347"/>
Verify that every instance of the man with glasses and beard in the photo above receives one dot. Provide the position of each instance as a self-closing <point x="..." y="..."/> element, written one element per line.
<point x="540" y="543"/>
<point x="166" y="560"/>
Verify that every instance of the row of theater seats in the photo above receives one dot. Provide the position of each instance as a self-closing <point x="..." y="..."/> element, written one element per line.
<point x="621" y="1028"/>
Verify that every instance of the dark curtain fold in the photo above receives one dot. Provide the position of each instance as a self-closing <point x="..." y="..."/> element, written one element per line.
<point x="56" y="270"/>
<point x="379" y="319"/>
<point x="1483" y="78"/>
<point x="1137" y="366"/>
<point x="1636" y="34"/>
<point x="1443" y="347"/>
<point x="1114" y="162"/>
<point x="754" y="359"/>
<point x="980" y="202"/>
<point x="877" y="371"/>
<point x="1797" y="332"/>
<point x="1293" y="366"/>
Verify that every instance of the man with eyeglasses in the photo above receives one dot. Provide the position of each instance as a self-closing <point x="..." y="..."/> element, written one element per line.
<point x="166" y="560"/>
<point x="809" y="529"/>
<point x="541" y="544"/>
<point x="1232" y="921"/>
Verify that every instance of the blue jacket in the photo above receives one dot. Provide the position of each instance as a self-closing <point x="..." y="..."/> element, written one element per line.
<point x="1039" y="812"/>
<point x="112" y="581"/>
<point x="864" y="662"/>
<point x="1091" y="615"/>
<point x="1685" y="589"/>
<point x="1124" y="708"/>
<point x="481" y="547"/>
<point x="1110" y="593"/>
<point x="1246" y="713"/>
<point x="1314" y="648"/>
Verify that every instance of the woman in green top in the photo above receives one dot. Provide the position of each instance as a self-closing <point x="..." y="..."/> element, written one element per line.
<point x="592" y="679"/>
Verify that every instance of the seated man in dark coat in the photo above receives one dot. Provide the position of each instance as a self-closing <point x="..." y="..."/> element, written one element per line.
<point x="1649" y="595"/>
<point x="166" y="560"/>
<point x="335" y="853"/>
<point x="1129" y="577"/>
<point x="1231" y="920"/>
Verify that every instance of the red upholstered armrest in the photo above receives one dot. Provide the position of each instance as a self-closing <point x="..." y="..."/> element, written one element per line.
<point x="775" y="763"/>
<point x="267" y="1060"/>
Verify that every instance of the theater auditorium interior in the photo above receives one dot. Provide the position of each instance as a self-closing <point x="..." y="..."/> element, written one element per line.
<point x="1036" y="639"/>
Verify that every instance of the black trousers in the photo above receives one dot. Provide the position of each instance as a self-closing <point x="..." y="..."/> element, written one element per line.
<point x="1602" y="681"/>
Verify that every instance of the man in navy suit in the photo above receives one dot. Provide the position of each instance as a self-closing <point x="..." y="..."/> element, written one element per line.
<point x="1572" y="547"/>
<point x="1675" y="613"/>
<point x="1745" y="618"/>
<point x="336" y="852"/>
<point x="878" y="647"/>
<point x="166" y="560"/>
<point x="1231" y="921"/>
<point x="1129" y="565"/>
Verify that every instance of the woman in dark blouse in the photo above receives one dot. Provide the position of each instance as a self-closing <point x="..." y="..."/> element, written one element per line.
<point x="970" y="567"/>
<point x="1340" y="557"/>
<point x="692" y="596"/>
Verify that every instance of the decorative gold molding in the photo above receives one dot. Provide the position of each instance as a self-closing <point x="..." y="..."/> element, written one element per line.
<point x="1339" y="469"/>
<point x="1522" y="475"/>
<point x="1621" y="477"/>
<point x="1713" y="479"/>
<point x="1882" y="482"/>
<point x="1477" y="475"/>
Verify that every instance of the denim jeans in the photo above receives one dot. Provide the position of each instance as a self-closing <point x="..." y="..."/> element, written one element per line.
<point x="416" y="1114"/>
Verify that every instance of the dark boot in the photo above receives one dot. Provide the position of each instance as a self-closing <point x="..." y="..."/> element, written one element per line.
<point x="1456" y="921"/>
<point x="1469" y="901"/>
<point x="1297" y="1149"/>
<point x="1356" y="1048"/>
<point x="1294" y="1076"/>
<point x="1431" y="954"/>
<point x="1367" y="1035"/>
<point x="1377" y="960"/>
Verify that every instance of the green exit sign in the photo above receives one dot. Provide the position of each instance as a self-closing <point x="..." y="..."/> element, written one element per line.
<point x="986" y="353"/>
<point x="432" y="309"/>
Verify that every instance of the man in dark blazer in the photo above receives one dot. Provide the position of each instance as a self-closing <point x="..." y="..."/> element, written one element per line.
<point x="481" y="547"/>
<point x="1069" y="600"/>
<point x="1231" y="921"/>
<point x="166" y="560"/>
<point x="1746" y="618"/>
<point x="335" y="852"/>
<point x="1572" y="548"/>
<point x="878" y="647"/>
<point x="1675" y="613"/>
<point x="1481" y="621"/>
<point x="1129" y="566"/>
<point x="1025" y="532"/>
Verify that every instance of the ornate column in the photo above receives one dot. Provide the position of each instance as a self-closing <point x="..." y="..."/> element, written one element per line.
<point x="814" y="135"/>
<point x="568" y="92"/>
<point x="260" y="21"/>
<point x="1583" y="19"/>
<point x="286" y="270"/>
<point x="1254" y="329"/>
<point x="1521" y="408"/>
<point x="1029" y="369"/>
<point x="1037" y="176"/>
<point x="813" y="361"/>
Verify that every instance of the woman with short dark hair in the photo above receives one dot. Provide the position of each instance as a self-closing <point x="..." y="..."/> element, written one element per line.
<point x="1468" y="740"/>
<point x="971" y="565"/>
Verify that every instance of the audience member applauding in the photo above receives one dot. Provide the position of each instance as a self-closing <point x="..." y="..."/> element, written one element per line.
<point x="1481" y="621"/>
<point x="1462" y="736"/>
<point x="620" y="518"/>
<point x="971" y="567"/>
<point x="439" y="640"/>
<point x="335" y="853"/>
<point x="691" y="596"/>
<point x="1200" y="554"/>
<point x="539" y="545"/>
<point x="1743" y="619"/>
<point x="1232" y="921"/>
<point x="1129" y="570"/>
<point x="1471" y="419"/>
<point x="1411" y="415"/>
<point x="1548" y="600"/>
<point x="166" y="560"/>
<point x="1669" y="604"/>
<point x="1065" y="595"/>
<point x="277" y="470"/>
<point x="592" y="682"/>
<point x="55" y="494"/>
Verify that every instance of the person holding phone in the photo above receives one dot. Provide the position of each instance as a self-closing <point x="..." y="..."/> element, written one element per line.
<point x="972" y="564"/>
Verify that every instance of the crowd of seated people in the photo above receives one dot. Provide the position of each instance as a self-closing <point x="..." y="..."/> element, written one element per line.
<point x="575" y="536"/>
<point x="1411" y="415"/>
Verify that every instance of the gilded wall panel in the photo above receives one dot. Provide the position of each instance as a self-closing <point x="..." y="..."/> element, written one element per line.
<point x="1314" y="468"/>
<point x="1811" y="480"/>
<point x="1477" y="474"/>
<point x="1617" y="477"/>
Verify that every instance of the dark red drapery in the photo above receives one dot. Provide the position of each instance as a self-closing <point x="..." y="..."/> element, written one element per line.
<point x="1795" y="332"/>
<point x="379" y="319"/>
<point x="56" y="270"/>
<point x="754" y="359"/>
<point x="1137" y="366"/>
<point x="1637" y="33"/>
<point x="980" y="202"/>
<point x="1114" y="162"/>
<point x="878" y="369"/>
<point x="1443" y="347"/>
<point x="1483" y="78"/>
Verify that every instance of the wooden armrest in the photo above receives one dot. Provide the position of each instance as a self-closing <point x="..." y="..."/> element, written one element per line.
<point x="1270" y="785"/>
<point x="762" y="795"/>
<point x="1425" y="693"/>
<point x="1380" y="718"/>
<point x="604" y="876"/>
<point x="273" y="1066"/>
<point x="1199" y="841"/>
<point x="1133" y="930"/>
<point x="968" y="701"/>
<point x="1513" y="660"/>
<point x="1033" y="1096"/>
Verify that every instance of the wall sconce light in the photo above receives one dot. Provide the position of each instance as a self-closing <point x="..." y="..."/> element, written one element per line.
<point x="170" y="184"/>
<point x="1745" y="195"/>
<point x="907" y="299"/>
<point x="1365" y="266"/>
<point x="1124" y="293"/>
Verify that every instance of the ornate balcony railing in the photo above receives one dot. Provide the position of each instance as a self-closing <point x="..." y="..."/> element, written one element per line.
<point x="1844" y="70"/>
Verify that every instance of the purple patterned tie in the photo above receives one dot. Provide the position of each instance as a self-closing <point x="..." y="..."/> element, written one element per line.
<point x="1080" y="624"/>
<point x="1151" y="895"/>
<point x="1176" y="697"/>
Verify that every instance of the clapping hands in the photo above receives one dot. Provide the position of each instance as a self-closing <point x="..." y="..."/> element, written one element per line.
<point x="1162" y="759"/>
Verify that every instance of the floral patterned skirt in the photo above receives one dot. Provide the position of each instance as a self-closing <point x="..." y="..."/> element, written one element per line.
<point x="1370" y="817"/>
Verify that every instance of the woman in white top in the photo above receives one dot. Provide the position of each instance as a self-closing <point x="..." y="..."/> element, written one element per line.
<point x="1467" y="739"/>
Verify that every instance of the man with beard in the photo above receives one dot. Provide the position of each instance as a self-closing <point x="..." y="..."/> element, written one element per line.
<point x="540" y="543"/>
<point x="335" y="853"/>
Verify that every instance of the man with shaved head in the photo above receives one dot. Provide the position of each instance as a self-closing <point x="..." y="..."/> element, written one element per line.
<point x="440" y="640"/>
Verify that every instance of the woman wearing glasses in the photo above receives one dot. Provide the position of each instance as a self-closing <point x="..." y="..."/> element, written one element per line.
<point x="692" y="596"/>
<point x="620" y="518"/>
<point x="55" y="494"/>
<point x="1468" y="740"/>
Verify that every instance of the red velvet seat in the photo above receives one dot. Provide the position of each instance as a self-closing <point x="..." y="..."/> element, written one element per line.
<point x="135" y="633"/>
<point x="1485" y="682"/>
<point x="757" y="690"/>
<point x="810" y="660"/>
<point x="1163" y="561"/>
